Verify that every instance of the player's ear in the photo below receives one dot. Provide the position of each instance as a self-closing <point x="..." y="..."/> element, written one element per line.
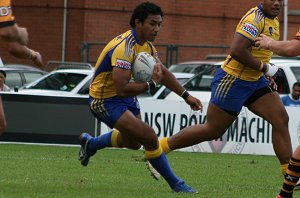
<point x="138" y="23"/>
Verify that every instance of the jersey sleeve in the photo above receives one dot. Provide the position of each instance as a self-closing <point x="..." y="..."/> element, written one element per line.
<point x="154" y="52"/>
<point x="6" y="17"/>
<point x="250" y="26"/>
<point x="122" y="57"/>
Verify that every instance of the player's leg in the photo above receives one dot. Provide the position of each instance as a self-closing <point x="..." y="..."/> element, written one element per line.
<point x="224" y="106"/>
<point x="291" y="176"/>
<point x="275" y="113"/>
<point x="114" y="107"/>
<point x="130" y="125"/>
<point x="217" y="123"/>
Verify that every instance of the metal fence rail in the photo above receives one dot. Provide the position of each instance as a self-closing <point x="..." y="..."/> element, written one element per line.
<point x="169" y="53"/>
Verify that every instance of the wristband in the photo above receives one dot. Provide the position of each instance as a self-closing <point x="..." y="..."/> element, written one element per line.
<point x="264" y="68"/>
<point x="185" y="94"/>
<point x="271" y="69"/>
<point x="151" y="84"/>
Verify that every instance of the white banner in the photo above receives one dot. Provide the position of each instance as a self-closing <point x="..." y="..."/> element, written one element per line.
<point x="249" y="134"/>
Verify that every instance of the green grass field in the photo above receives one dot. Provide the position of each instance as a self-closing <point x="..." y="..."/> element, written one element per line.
<point x="33" y="171"/>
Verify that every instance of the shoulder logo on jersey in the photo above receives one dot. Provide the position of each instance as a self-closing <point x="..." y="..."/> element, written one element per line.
<point x="258" y="16"/>
<point x="250" y="29"/>
<point x="5" y="10"/>
<point x="130" y="42"/>
<point x="123" y="64"/>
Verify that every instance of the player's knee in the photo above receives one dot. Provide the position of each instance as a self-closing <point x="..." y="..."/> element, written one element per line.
<point x="214" y="132"/>
<point x="151" y="141"/>
<point x="135" y="146"/>
<point x="281" y="120"/>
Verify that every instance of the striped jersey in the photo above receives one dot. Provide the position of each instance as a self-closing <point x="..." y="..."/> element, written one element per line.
<point x="6" y="17"/>
<point x="119" y="52"/>
<point x="252" y="24"/>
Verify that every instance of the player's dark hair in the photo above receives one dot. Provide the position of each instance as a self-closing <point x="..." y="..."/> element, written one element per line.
<point x="143" y="10"/>
<point x="3" y="72"/>
<point x="296" y="84"/>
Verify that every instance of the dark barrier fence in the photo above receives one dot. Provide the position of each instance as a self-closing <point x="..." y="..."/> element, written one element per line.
<point x="46" y="119"/>
<point x="169" y="53"/>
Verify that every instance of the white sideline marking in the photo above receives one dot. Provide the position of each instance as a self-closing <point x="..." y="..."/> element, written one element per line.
<point x="41" y="144"/>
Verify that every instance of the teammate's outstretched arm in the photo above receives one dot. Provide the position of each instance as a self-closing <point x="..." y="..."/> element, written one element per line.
<point x="282" y="48"/>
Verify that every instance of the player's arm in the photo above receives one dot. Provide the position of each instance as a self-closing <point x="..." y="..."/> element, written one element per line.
<point x="240" y="51"/>
<point x="124" y="87"/>
<point x="282" y="48"/>
<point x="14" y="33"/>
<point x="23" y="52"/>
<point x="170" y="81"/>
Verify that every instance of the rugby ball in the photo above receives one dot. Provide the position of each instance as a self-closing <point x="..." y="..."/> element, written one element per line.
<point x="143" y="66"/>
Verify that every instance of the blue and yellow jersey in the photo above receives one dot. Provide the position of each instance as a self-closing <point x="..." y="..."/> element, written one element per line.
<point x="297" y="36"/>
<point x="119" y="52"/>
<point x="6" y="17"/>
<point x="253" y="23"/>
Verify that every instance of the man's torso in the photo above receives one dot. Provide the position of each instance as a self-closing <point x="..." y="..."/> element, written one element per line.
<point x="253" y="23"/>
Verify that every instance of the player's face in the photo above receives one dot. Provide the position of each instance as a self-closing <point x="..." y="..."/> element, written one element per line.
<point x="272" y="7"/>
<point x="2" y="79"/>
<point x="296" y="92"/>
<point x="150" y="27"/>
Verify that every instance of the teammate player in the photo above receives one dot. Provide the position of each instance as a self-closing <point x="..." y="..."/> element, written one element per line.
<point x="15" y="40"/>
<point x="113" y="98"/>
<point x="285" y="48"/>
<point x="241" y="81"/>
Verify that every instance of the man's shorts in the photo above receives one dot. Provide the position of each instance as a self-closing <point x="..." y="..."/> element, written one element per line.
<point x="231" y="93"/>
<point x="109" y="110"/>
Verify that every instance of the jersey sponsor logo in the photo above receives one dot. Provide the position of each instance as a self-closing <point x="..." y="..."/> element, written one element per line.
<point x="250" y="29"/>
<point x="5" y="10"/>
<point x="123" y="64"/>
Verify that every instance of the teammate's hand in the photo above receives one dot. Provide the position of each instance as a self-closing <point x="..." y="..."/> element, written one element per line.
<point x="157" y="73"/>
<point x="263" y="42"/>
<point x="272" y="82"/>
<point x="37" y="59"/>
<point x="194" y="103"/>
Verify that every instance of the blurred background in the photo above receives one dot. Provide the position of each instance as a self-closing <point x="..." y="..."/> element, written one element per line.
<point x="77" y="30"/>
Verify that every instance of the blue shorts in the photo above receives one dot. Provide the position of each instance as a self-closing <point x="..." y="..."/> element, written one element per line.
<point x="109" y="110"/>
<point x="231" y="93"/>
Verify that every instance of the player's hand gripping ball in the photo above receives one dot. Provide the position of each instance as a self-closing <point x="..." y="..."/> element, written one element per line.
<point x="143" y="67"/>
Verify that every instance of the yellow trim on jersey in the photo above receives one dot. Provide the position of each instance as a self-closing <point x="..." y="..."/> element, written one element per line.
<point x="6" y="16"/>
<point x="224" y="86"/>
<point x="120" y="52"/>
<point x="251" y="26"/>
